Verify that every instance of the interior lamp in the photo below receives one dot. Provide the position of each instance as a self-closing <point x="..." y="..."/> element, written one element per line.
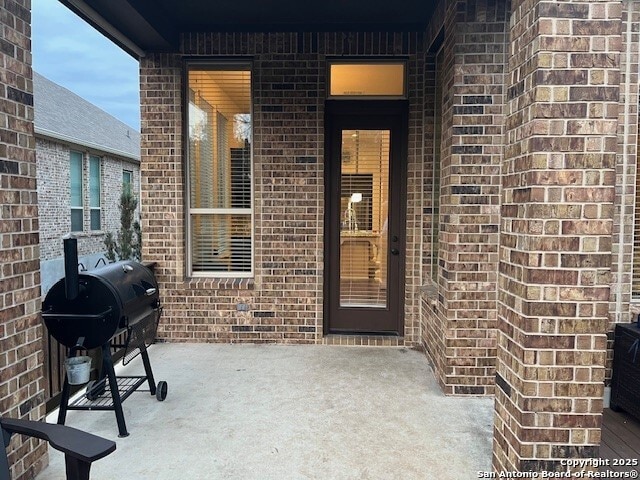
<point x="351" y="221"/>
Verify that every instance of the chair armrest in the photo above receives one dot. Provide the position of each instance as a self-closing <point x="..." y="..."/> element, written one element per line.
<point x="71" y="441"/>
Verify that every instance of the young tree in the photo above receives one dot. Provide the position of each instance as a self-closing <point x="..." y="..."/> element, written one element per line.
<point x="127" y="245"/>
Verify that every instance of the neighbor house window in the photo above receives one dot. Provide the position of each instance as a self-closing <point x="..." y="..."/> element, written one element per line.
<point x="127" y="181"/>
<point x="75" y="169"/>
<point x="220" y="235"/>
<point x="94" y="191"/>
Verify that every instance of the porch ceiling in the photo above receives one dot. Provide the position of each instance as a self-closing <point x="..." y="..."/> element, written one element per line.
<point x="155" y="25"/>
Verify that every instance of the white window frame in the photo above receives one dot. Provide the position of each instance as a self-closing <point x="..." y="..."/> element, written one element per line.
<point x="216" y="66"/>
<point x="81" y="206"/>
<point x="130" y="183"/>
<point x="97" y="158"/>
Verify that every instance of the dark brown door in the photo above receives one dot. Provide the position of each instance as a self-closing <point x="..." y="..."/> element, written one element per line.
<point x="365" y="205"/>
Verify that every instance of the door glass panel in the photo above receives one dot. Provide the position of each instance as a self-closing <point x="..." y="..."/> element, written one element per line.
<point x="364" y="194"/>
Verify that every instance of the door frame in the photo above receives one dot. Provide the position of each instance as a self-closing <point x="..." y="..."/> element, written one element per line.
<point x="399" y="109"/>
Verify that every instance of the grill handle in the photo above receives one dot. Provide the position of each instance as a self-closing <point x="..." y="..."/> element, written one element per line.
<point x="140" y="290"/>
<point x="75" y="316"/>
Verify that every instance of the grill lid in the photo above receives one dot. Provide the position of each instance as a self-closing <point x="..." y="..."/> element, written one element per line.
<point x="109" y="299"/>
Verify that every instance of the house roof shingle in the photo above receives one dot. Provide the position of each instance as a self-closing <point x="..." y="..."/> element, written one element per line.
<point x="63" y="115"/>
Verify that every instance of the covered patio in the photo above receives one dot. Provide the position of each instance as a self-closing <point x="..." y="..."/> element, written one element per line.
<point x="274" y="411"/>
<point x="501" y="241"/>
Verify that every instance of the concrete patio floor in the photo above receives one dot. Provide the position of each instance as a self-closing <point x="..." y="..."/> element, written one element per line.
<point x="290" y="412"/>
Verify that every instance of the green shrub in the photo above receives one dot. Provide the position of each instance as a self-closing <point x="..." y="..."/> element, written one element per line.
<point x="127" y="245"/>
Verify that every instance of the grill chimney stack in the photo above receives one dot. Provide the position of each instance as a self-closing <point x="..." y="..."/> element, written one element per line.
<point x="71" y="277"/>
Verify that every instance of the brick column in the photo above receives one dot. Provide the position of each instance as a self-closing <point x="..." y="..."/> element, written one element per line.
<point x="460" y="327"/>
<point x="555" y="245"/>
<point x="21" y="383"/>
<point x="162" y="176"/>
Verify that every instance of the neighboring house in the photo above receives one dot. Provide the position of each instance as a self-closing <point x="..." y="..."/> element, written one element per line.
<point x="457" y="176"/>
<point x="85" y="157"/>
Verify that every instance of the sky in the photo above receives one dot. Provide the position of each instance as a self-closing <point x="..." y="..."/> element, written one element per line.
<point x="71" y="53"/>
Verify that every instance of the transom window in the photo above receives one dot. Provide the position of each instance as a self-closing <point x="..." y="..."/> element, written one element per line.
<point x="367" y="79"/>
<point x="220" y="233"/>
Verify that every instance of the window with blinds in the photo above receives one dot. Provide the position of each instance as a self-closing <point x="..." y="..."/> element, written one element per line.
<point x="75" y="177"/>
<point x="219" y="165"/>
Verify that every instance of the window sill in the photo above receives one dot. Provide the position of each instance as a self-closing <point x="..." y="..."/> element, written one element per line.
<point x="93" y="233"/>
<point x="204" y="283"/>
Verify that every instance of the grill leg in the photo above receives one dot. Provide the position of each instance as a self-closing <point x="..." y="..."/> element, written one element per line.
<point x="64" y="399"/>
<point x="107" y="364"/>
<point x="66" y="388"/>
<point x="147" y="370"/>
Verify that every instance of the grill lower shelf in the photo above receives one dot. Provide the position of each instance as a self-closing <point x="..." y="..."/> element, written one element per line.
<point x="98" y="395"/>
<point x="110" y="390"/>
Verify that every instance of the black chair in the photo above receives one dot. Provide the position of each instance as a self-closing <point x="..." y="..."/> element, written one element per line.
<point x="79" y="448"/>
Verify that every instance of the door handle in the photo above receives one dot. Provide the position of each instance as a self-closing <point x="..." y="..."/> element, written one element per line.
<point x="395" y="251"/>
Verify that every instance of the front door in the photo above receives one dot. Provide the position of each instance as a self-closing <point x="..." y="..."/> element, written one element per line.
<point x="364" y="280"/>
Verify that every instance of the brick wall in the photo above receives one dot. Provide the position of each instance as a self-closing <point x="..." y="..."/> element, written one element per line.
<point x="459" y="314"/>
<point x="21" y="383"/>
<point x="284" y="302"/>
<point x="555" y="245"/>
<point x="53" y="195"/>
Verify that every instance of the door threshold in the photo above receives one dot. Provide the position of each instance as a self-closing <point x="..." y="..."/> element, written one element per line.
<point x="363" y="340"/>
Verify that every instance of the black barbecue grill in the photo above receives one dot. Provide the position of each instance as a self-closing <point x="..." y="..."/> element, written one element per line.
<point x="87" y="310"/>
